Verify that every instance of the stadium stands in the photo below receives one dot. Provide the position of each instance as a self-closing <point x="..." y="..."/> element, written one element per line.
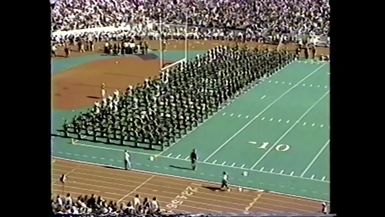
<point x="264" y="21"/>
<point x="93" y="205"/>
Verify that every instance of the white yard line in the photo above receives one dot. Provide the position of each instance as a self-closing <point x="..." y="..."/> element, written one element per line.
<point x="315" y="158"/>
<point x="288" y="130"/>
<point x="266" y="108"/>
<point x="139" y="186"/>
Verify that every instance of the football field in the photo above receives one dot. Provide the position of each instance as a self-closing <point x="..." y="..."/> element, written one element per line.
<point x="274" y="136"/>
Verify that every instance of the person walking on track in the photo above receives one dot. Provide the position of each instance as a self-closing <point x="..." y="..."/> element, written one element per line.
<point x="127" y="160"/>
<point x="103" y="91"/>
<point x="225" y="179"/>
<point x="324" y="209"/>
<point x="194" y="158"/>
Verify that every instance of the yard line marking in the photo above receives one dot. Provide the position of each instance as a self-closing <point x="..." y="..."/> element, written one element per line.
<point x="271" y="119"/>
<point x="311" y="85"/>
<point x="261" y="112"/>
<point x="177" y="157"/>
<point x="326" y="86"/>
<point x="315" y="158"/>
<point x="281" y="171"/>
<point x="272" y="169"/>
<point x="287" y="121"/>
<point x="312" y="177"/>
<point x="102" y="158"/>
<point x="323" y="178"/>
<point x="242" y="166"/>
<point x="263" y="118"/>
<point x="279" y="120"/>
<point x="187" y="158"/>
<point x="233" y="164"/>
<point x="224" y="163"/>
<point x="292" y="172"/>
<point x="224" y="113"/>
<point x="84" y="155"/>
<point x="93" y="157"/>
<point x="283" y="82"/>
<point x="247" y="116"/>
<point x="139" y="186"/>
<point x="304" y="123"/>
<point x="112" y="160"/>
<point x="318" y="86"/>
<point x="231" y="114"/>
<point x="261" y="168"/>
<point x="313" y="124"/>
<point x="269" y="81"/>
<point x="304" y="85"/>
<point x="276" y="82"/>
<point x="252" y="142"/>
<point x="76" y="154"/>
<point x="169" y="155"/>
<point x="239" y="116"/>
<point x="68" y="153"/>
<point x="322" y="125"/>
<point x="263" y="96"/>
<point x="289" y="83"/>
<point x="290" y="128"/>
<point x="214" y="161"/>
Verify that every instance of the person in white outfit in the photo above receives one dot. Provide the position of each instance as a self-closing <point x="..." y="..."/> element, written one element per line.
<point x="127" y="160"/>
<point x="324" y="208"/>
<point x="103" y="91"/>
<point x="154" y="206"/>
<point x="136" y="201"/>
<point x="225" y="180"/>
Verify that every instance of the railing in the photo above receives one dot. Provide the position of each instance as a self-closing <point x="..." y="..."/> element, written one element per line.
<point x="194" y="32"/>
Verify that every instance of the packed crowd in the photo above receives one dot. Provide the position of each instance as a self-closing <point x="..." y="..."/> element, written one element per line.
<point x="98" y="206"/>
<point x="263" y="20"/>
<point x="165" y="108"/>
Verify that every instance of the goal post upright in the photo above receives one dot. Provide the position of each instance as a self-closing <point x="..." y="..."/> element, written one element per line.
<point x="160" y="42"/>
<point x="186" y="39"/>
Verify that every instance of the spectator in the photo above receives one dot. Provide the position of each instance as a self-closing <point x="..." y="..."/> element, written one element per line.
<point x="59" y="201"/>
<point x="68" y="200"/>
<point x="263" y="20"/>
<point x="53" y="50"/>
<point x="154" y="206"/>
<point x="136" y="201"/>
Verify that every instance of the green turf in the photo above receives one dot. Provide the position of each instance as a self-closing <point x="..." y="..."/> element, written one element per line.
<point x="233" y="137"/>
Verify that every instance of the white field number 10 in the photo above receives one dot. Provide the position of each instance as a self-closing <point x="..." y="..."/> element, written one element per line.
<point x="280" y="147"/>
